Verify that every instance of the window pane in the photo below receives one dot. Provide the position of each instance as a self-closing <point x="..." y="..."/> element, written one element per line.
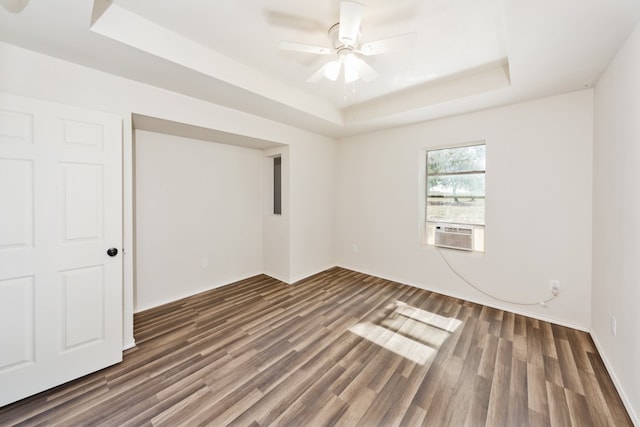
<point x="464" y="211"/>
<point x="460" y="159"/>
<point x="469" y="185"/>
<point x="456" y="198"/>
<point x="277" y="185"/>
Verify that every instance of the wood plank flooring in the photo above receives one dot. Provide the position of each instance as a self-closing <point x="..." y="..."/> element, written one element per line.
<point x="342" y="349"/>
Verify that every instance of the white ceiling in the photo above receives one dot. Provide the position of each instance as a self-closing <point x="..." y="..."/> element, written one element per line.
<point x="469" y="54"/>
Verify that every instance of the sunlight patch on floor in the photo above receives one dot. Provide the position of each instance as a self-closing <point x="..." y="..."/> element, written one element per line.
<point x="449" y="324"/>
<point x="410" y="332"/>
<point x="395" y="342"/>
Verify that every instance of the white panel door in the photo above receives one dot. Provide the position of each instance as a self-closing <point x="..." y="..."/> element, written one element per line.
<point x="60" y="212"/>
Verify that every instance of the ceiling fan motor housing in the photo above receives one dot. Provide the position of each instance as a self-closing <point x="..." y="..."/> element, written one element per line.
<point x="334" y="38"/>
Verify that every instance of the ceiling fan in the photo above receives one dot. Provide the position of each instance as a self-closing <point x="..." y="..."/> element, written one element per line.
<point x="345" y="41"/>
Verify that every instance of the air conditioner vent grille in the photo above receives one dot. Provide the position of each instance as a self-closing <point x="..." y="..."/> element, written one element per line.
<point x="454" y="236"/>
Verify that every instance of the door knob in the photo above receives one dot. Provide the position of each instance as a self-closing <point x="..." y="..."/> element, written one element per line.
<point x="112" y="252"/>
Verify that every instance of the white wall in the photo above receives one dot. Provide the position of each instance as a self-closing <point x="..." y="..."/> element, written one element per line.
<point x="312" y="184"/>
<point x="31" y="74"/>
<point x="616" y="230"/>
<point x="538" y="214"/>
<point x="198" y="216"/>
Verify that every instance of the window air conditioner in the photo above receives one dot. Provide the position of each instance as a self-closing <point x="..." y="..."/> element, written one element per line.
<point x="454" y="236"/>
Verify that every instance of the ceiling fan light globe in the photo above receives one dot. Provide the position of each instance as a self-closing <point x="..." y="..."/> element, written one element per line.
<point x="351" y="76"/>
<point x="351" y="60"/>
<point x="332" y="70"/>
<point x="351" y="67"/>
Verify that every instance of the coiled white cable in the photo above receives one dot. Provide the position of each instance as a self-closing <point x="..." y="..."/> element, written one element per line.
<point x="482" y="291"/>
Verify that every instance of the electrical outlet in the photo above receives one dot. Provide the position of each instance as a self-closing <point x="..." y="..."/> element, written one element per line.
<point x="205" y="262"/>
<point x="354" y="247"/>
<point x="554" y="285"/>
<point x="614" y="325"/>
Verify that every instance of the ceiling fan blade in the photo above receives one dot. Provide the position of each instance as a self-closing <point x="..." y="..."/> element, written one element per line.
<point x="367" y="73"/>
<point x="387" y="45"/>
<point x="350" y="18"/>
<point x="297" y="22"/>
<point x="307" y="48"/>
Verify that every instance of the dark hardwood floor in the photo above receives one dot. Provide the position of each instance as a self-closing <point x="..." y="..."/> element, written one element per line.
<point x="340" y="348"/>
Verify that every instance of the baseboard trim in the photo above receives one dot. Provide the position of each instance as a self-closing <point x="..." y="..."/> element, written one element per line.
<point x="301" y="277"/>
<point x="616" y="382"/>
<point x="276" y="276"/>
<point x="298" y="278"/>
<point x="536" y="316"/>
<point x="217" y="284"/>
<point x="129" y="345"/>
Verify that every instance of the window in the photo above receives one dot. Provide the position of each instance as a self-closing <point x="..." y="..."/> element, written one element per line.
<point x="455" y="189"/>
<point x="277" y="185"/>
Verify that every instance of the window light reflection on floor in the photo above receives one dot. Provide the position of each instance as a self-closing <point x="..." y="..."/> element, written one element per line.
<point x="410" y="332"/>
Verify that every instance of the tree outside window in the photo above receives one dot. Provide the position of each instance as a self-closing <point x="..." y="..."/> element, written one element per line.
<point x="456" y="185"/>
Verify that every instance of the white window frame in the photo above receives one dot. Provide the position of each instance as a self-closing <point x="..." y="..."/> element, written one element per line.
<point x="427" y="228"/>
